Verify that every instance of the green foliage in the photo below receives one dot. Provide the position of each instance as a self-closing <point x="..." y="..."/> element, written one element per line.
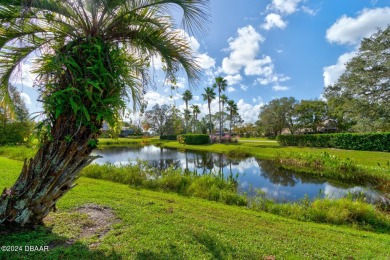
<point x="179" y="227"/>
<point x="279" y="113"/>
<point x="168" y="137"/>
<point x="350" y="141"/>
<point x="15" y="133"/>
<point x="210" y="187"/>
<point x="343" y="211"/>
<point x="195" y="139"/>
<point x="361" y="95"/>
<point x="91" y="86"/>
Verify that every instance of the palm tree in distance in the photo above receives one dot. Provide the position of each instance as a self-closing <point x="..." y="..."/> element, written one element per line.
<point x="91" y="57"/>
<point x="224" y="100"/>
<point x="195" y="113"/>
<point x="220" y="84"/>
<point x="209" y="96"/>
<point x="187" y="96"/>
<point x="233" y="110"/>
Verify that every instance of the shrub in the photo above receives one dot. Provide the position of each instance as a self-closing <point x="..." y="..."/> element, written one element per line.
<point x="15" y="133"/>
<point x="196" y="139"/>
<point x="168" y="137"/>
<point x="349" y="141"/>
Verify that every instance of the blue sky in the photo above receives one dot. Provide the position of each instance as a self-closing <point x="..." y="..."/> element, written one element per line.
<point x="269" y="49"/>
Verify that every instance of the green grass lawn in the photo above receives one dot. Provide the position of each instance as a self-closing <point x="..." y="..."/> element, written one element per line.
<point x="155" y="225"/>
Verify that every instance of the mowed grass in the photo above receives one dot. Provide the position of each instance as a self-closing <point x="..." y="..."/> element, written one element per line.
<point x="155" y="225"/>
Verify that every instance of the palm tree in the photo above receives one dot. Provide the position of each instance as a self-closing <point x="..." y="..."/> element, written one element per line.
<point x="221" y="84"/>
<point x="209" y="96"/>
<point x="195" y="113"/>
<point x="224" y="100"/>
<point x="92" y="56"/>
<point x="233" y="110"/>
<point x="187" y="96"/>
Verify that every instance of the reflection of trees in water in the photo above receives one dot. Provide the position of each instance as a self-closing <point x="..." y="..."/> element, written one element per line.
<point x="163" y="164"/>
<point x="277" y="175"/>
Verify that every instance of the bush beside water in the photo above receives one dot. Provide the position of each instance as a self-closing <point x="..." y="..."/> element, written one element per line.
<point x="194" y="139"/>
<point x="349" y="141"/>
<point x="183" y="182"/>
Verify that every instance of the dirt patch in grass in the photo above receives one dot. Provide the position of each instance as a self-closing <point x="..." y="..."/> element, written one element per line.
<point x="90" y="221"/>
<point x="102" y="219"/>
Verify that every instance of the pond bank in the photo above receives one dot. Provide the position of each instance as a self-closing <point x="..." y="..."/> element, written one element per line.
<point x="162" y="225"/>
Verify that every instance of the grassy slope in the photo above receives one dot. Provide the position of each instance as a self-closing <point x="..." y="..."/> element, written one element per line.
<point x="157" y="225"/>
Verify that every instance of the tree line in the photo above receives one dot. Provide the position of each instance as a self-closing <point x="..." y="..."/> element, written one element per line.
<point x="169" y="120"/>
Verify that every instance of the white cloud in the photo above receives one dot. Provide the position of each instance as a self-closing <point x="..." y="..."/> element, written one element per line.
<point x="271" y="78"/>
<point x="332" y="73"/>
<point x="205" y="61"/>
<point x="26" y="98"/>
<point x="244" y="49"/>
<point x="154" y="98"/>
<point x="243" y="87"/>
<point x="273" y="20"/>
<point x="248" y="112"/>
<point x="348" y="30"/>
<point x="257" y="100"/>
<point x="23" y="75"/>
<point x="284" y="6"/>
<point x="280" y="88"/>
<point x="230" y="89"/>
<point x="262" y="66"/>
<point x="233" y="79"/>
<point x="202" y="59"/>
<point x="309" y="11"/>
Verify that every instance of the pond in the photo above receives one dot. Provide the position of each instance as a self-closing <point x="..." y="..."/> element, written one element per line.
<point x="251" y="173"/>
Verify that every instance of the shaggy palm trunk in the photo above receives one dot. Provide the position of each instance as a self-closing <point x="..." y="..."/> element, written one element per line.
<point x="49" y="175"/>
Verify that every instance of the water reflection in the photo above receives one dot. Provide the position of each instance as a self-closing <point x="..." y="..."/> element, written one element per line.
<point x="252" y="174"/>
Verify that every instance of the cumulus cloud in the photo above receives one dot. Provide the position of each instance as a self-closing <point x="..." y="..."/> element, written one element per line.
<point x="248" y="112"/>
<point x="349" y="30"/>
<point x="244" y="49"/>
<point x="23" y="75"/>
<point x="271" y="78"/>
<point x="284" y="6"/>
<point x="273" y="20"/>
<point x="154" y="98"/>
<point x="233" y="79"/>
<point x="280" y="88"/>
<point x="243" y="87"/>
<point x="230" y="89"/>
<point x="333" y="72"/>
<point x="26" y="98"/>
<point x="202" y="59"/>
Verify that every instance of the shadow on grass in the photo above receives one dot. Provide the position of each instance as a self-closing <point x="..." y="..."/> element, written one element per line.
<point x="208" y="244"/>
<point x="42" y="243"/>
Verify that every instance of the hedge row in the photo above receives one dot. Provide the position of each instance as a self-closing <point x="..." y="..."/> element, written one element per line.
<point x="349" y="141"/>
<point x="168" y="137"/>
<point x="194" y="139"/>
<point x="14" y="133"/>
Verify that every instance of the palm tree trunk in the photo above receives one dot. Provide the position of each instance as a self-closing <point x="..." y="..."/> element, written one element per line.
<point x="211" y="139"/>
<point x="230" y="125"/>
<point x="220" y="116"/>
<point x="50" y="174"/>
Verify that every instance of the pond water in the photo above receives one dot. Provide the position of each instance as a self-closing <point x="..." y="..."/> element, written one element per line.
<point x="251" y="173"/>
